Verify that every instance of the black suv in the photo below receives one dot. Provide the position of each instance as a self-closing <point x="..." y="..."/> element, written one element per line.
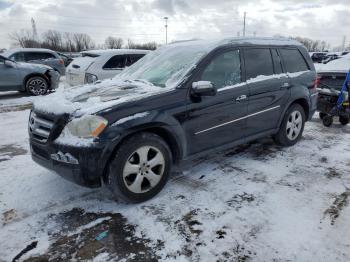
<point x="184" y="100"/>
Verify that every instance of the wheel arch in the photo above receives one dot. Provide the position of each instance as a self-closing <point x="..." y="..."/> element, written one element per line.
<point x="163" y="132"/>
<point x="27" y="77"/>
<point x="303" y="102"/>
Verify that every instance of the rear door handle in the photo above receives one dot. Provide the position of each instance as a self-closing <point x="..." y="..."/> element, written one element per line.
<point x="241" y="98"/>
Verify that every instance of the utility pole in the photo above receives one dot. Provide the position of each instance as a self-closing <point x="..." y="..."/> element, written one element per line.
<point x="166" y="29"/>
<point x="245" y="15"/>
<point x="34" y="31"/>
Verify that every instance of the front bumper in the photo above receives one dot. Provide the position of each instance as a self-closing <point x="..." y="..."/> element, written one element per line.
<point x="83" y="166"/>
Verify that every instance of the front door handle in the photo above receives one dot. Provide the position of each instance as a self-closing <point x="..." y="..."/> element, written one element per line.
<point x="241" y="98"/>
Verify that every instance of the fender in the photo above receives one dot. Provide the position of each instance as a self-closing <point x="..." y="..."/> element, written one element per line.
<point x="297" y="93"/>
<point x="154" y="120"/>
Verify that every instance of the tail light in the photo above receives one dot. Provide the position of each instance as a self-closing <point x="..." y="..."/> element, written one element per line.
<point x="316" y="82"/>
<point x="61" y="61"/>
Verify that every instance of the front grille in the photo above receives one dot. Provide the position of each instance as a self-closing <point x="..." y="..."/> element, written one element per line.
<point x="330" y="81"/>
<point x="40" y="127"/>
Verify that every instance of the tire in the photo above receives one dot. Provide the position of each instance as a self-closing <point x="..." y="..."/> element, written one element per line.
<point x="344" y="120"/>
<point x="327" y="121"/>
<point x="130" y="177"/>
<point x="292" y="126"/>
<point x="37" y="86"/>
<point x="322" y="115"/>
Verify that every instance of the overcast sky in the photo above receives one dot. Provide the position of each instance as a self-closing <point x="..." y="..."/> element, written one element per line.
<point x="142" y="20"/>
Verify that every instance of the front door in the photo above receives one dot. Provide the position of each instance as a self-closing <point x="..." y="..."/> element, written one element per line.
<point x="214" y="121"/>
<point x="9" y="78"/>
<point x="268" y="89"/>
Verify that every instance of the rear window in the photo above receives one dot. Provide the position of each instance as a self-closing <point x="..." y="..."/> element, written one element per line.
<point x="116" y="62"/>
<point x="293" y="60"/>
<point x="258" y="62"/>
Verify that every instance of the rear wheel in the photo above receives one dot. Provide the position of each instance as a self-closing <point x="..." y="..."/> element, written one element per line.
<point x="344" y="120"/>
<point x="292" y="126"/>
<point x="140" y="168"/>
<point x="322" y="115"/>
<point x="327" y="120"/>
<point x="37" y="86"/>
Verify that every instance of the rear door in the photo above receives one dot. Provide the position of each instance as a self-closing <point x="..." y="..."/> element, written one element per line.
<point x="215" y="121"/>
<point x="269" y="89"/>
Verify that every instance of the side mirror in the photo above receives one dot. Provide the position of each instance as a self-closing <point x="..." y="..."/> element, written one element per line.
<point x="204" y="88"/>
<point x="9" y="63"/>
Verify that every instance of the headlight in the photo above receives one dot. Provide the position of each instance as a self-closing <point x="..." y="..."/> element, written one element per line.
<point x="90" y="78"/>
<point x="88" y="126"/>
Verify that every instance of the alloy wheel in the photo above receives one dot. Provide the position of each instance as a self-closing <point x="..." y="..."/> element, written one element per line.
<point x="37" y="86"/>
<point x="294" y="125"/>
<point x="143" y="169"/>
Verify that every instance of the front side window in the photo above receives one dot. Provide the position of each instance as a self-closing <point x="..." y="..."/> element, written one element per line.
<point x="18" y="57"/>
<point x="258" y="62"/>
<point x="116" y="62"/>
<point x="293" y="60"/>
<point x="224" y="70"/>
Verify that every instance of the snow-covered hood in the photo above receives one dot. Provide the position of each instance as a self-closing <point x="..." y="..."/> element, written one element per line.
<point x="341" y="65"/>
<point x="90" y="99"/>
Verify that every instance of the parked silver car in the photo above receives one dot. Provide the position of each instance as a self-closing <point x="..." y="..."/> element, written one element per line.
<point x="37" y="56"/>
<point x="24" y="77"/>
<point x="97" y="65"/>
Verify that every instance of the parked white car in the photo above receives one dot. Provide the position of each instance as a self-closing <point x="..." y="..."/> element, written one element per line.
<point x="101" y="64"/>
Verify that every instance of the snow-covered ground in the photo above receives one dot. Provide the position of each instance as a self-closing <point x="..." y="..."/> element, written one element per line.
<point x="255" y="202"/>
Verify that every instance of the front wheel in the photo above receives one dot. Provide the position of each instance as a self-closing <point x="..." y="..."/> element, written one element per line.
<point x="292" y="126"/>
<point x="37" y="86"/>
<point x="140" y="168"/>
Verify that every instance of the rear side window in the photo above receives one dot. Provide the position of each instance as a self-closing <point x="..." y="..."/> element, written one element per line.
<point x="258" y="62"/>
<point x="116" y="62"/>
<point x="293" y="60"/>
<point x="30" y="56"/>
<point x="224" y="70"/>
<point x="133" y="58"/>
<point x="277" y="62"/>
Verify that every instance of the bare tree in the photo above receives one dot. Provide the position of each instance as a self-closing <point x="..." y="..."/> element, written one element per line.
<point x="24" y="38"/>
<point x="145" y="46"/>
<point x="82" y="42"/>
<point x="113" y="42"/>
<point x="53" y="40"/>
<point x="312" y="45"/>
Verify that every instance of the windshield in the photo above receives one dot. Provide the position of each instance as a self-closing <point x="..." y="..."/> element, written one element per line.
<point x="167" y="66"/>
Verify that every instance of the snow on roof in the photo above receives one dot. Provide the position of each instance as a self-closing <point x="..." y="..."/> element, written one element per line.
<point x="116" y="51"/>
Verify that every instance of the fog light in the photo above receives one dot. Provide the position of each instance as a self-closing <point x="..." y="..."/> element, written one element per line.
<point x="64" y="158"/>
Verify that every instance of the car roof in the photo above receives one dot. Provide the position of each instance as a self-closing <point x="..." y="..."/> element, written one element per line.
<point x="16" y="50"/>
<point x="116" y="51"/>
<point x="271" y="41"/>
